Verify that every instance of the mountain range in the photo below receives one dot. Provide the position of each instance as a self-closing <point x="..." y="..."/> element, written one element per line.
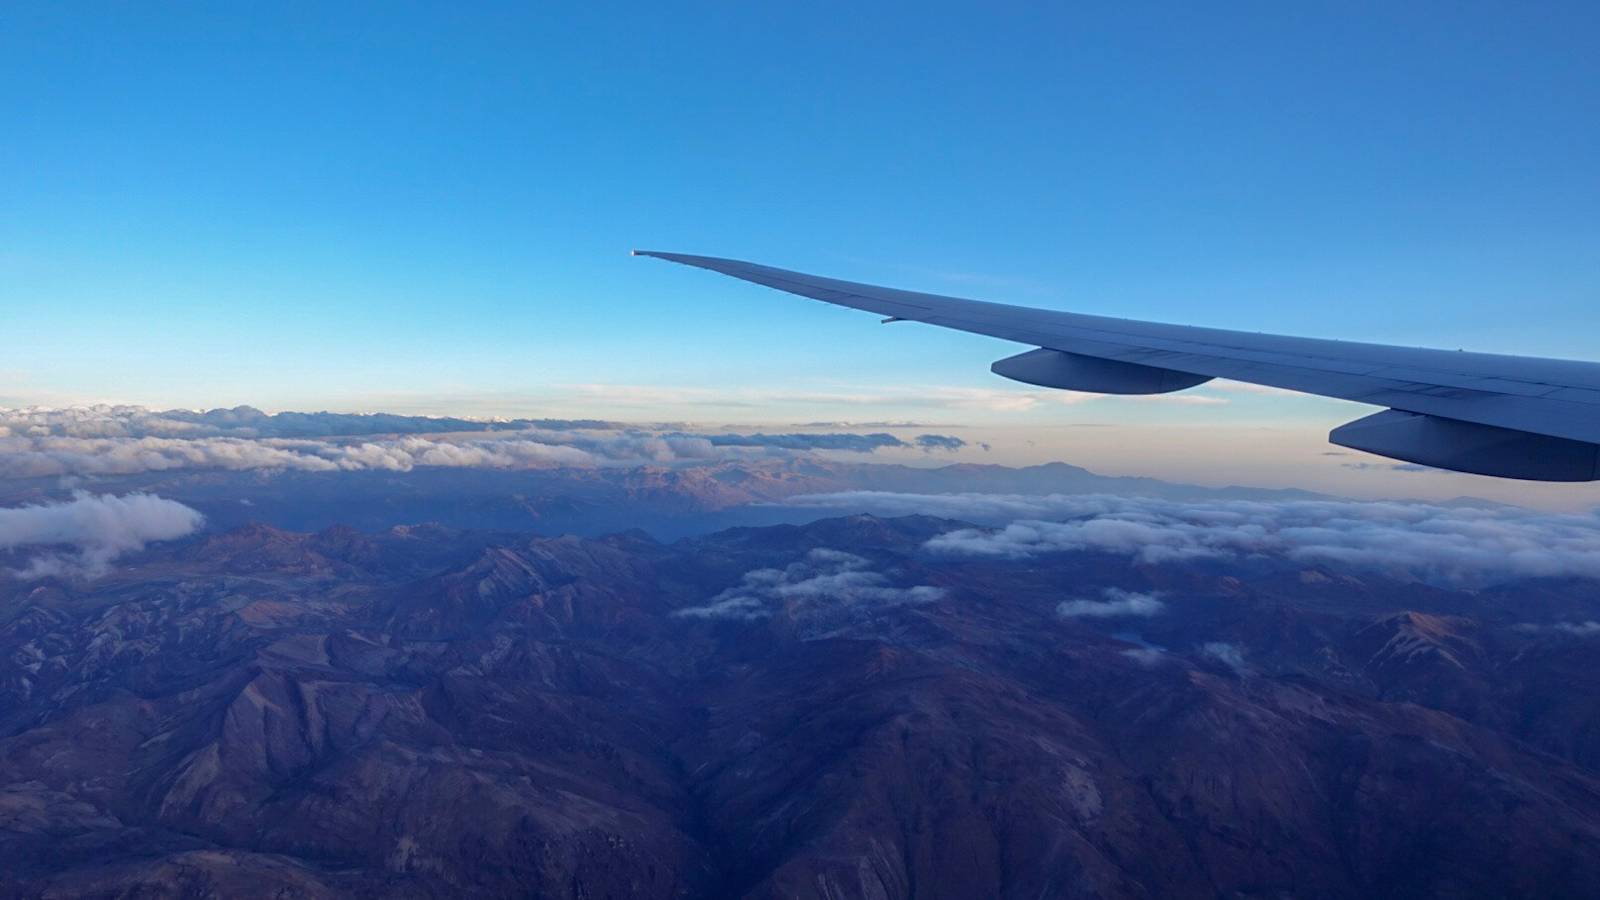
<point x="821" y="710"/>
<point x="669" y="501"/>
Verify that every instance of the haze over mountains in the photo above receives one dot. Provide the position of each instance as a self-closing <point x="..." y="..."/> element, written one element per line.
<point x="660" y="662"/>
<point x="308" y="471"/>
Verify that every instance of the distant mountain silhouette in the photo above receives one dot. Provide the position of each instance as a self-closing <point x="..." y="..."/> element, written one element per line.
<point x="668" y="501"/>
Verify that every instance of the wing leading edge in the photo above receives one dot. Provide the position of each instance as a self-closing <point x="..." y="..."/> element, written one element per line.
<point x="1510" y="416"/>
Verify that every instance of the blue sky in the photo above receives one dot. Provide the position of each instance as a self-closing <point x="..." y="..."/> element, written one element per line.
<point x="428" y="207"/>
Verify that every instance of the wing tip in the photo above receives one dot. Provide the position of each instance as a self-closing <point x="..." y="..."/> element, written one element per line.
<point x="687" y="259"/>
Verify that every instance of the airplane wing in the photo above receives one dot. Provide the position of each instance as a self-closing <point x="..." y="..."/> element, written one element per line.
<point x="1509" y="416"/>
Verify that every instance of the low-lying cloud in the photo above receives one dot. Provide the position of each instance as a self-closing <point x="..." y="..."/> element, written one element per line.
<point x="1449" y="543"/>
<point x="103" y="441"/>
<point x="122" y="421"/>
<point x="99" y="529"/>
<point x="824" y="584"/>
<point x="49" y="456"/>
<point x="1386" y="467"/>
<point x="1228" y="654"/>
<point x="840" y="441"/>
<point x="1149" y="657"/>
<point x="1118" y="603"/>
<point x="1586" y="628"/>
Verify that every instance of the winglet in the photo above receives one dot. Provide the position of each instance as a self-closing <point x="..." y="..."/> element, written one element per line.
<point x="684" y="258"/>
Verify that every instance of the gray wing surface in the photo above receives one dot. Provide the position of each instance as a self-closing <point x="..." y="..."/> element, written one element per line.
<point x="1512" y="416"/>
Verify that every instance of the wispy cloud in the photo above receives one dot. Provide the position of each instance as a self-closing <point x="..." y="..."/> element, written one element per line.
<point x="1244" y="387"/>
<point x="1149" y="657"/>
<point x="1118" y="603"/>
<point x="98" y="528"/>
<point x="1386" y="467"/>
<point x="825" y="584"/>
<point x="901" y="396"/>
<point x="1229" y="655"/>
<point x="912" y="396"/>
<point x="1176" y="399"/>
<point x="1587" y="628"/>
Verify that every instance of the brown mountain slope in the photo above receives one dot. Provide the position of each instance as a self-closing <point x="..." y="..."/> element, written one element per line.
<point x="823" y="711"/>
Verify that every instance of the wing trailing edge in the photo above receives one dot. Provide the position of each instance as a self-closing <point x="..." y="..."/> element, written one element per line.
<point x="1488" y="414"/>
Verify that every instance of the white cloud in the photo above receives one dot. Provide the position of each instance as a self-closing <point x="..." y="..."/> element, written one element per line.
<point x="1149" y="657"/>
<point x="1118" y="603"/>
<point x="1228" y="654"/>
<point x="1447" y="543"/>
<point x="110" y="421"/>
<point x="1587" y="628"/>
<point x="920" y="396"/>
<point x="99" y="528"/>
<point x="94" y="441"/>
<point x="823" y="585"/>
<point x="1245" y="387"/>
<point x="1177" y="399"/>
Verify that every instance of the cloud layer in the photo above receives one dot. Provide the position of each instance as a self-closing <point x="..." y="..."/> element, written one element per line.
<point x="107" y="421"/>
<point x="97" y="441"/>
<point x="855" y="443"/>
<point x="1450" y="543"/>
<point x="825" y="584"/>
<point x="98" y="529"/>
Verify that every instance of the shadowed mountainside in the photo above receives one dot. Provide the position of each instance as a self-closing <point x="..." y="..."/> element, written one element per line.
<point x="802" y="711"/>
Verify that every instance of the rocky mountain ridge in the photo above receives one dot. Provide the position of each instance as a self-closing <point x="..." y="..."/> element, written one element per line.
<point x="825" y="710"/>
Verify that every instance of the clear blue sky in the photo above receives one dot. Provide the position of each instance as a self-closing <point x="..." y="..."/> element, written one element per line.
<point x="429" y="206"/>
